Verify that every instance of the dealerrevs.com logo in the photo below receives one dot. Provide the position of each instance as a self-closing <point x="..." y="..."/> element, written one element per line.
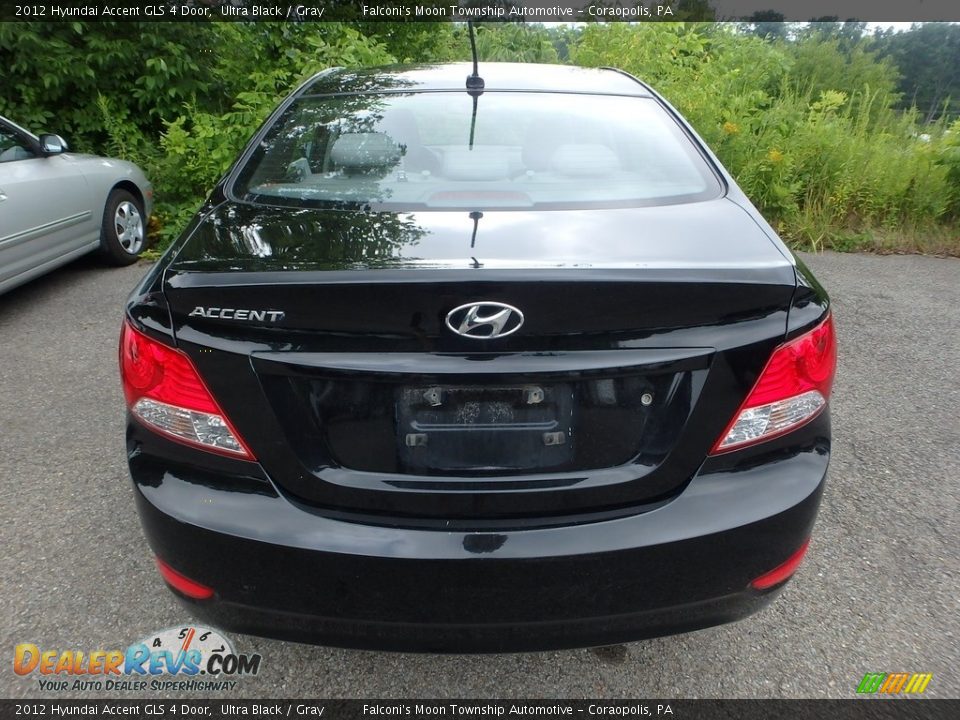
<point x="181" y="658"/>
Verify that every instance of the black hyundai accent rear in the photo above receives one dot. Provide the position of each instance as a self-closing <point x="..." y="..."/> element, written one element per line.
<point x="504" y="369"/>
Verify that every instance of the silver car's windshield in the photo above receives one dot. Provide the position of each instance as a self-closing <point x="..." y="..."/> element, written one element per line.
<point x="440" y="150"/>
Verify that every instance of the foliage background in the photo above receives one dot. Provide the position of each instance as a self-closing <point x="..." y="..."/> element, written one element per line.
<point x="843" y="139"/>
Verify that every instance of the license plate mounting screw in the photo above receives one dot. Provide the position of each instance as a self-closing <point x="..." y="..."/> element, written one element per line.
<point x="533" y="395"/>
<point x="433" y="396"/>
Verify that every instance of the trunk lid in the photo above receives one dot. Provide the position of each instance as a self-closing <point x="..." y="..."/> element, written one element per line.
<point x="323" y="334"/>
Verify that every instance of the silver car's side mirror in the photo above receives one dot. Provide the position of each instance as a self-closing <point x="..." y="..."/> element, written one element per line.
<point x="52" y="144"/>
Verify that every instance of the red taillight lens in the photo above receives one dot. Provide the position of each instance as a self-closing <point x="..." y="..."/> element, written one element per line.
<point x="781" y="572"/>
<point x="183" y="584"/>
<point x="792" y="389"/>
<point x="165" y="392"/>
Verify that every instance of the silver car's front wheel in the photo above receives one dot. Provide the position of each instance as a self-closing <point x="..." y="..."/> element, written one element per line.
<point x="128" y="224"/>
<point x="123" y="234"/>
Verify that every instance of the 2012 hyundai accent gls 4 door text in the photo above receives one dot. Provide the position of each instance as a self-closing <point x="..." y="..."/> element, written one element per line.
<point x="476" y="367"/>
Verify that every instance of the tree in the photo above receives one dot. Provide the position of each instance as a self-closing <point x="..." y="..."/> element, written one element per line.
<point x="515" y="42"/>
<point x="768" y="24"/>
<point x="694" y="11"/>
<point x="928" y="56"/>
<point x="849" y="33"/>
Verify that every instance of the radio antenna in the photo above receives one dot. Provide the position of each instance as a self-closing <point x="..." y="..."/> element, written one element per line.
<point x="475" y="83"/>
<point x="476" y="215"/>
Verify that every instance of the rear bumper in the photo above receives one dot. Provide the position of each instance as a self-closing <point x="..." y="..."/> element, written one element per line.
<point x="283" y="571"/>
<point x="488" y="637"/>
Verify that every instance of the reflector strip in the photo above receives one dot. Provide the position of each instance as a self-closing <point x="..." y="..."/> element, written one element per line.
<point x="781" y="572"/>
<point x="182" y="583"/>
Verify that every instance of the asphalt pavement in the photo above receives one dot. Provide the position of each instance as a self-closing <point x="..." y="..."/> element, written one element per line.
<point x="878" y="591"/>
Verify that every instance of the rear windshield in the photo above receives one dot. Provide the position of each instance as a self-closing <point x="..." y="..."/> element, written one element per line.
<point x="442" y="150"/>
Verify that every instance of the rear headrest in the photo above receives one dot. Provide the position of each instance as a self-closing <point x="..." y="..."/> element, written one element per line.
<point x="540" y="144"/>
<point x="15" y="153"/>
<point x="401" y="125"/>
<point x="364" y="151"/>
<point x="584" y="160"/>
<point x="462" y="164"/>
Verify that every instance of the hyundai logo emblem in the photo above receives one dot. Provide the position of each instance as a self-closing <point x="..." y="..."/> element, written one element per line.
<point x="484" y="320"/>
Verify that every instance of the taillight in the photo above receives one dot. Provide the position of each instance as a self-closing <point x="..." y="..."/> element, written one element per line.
<point x="165" y="392"/>
<point x="792" y="390"/>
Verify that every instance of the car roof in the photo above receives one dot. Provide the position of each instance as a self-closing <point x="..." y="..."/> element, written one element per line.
<point x="496" y="76"/>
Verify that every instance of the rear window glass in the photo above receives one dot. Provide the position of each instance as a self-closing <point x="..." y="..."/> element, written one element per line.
<point x="421" y="151"/>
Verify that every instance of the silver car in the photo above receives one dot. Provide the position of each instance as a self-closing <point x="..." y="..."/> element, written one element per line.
<point x="57" y="205"/>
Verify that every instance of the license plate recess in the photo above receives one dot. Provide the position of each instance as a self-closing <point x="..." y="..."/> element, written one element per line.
<point x="447" y="428"/>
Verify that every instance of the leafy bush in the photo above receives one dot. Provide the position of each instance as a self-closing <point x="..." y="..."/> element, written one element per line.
<point x="815" y="145"/>
<point x="950" y="160"/>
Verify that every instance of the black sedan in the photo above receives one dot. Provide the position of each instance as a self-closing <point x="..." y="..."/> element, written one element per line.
<point x="495" y="365"/>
